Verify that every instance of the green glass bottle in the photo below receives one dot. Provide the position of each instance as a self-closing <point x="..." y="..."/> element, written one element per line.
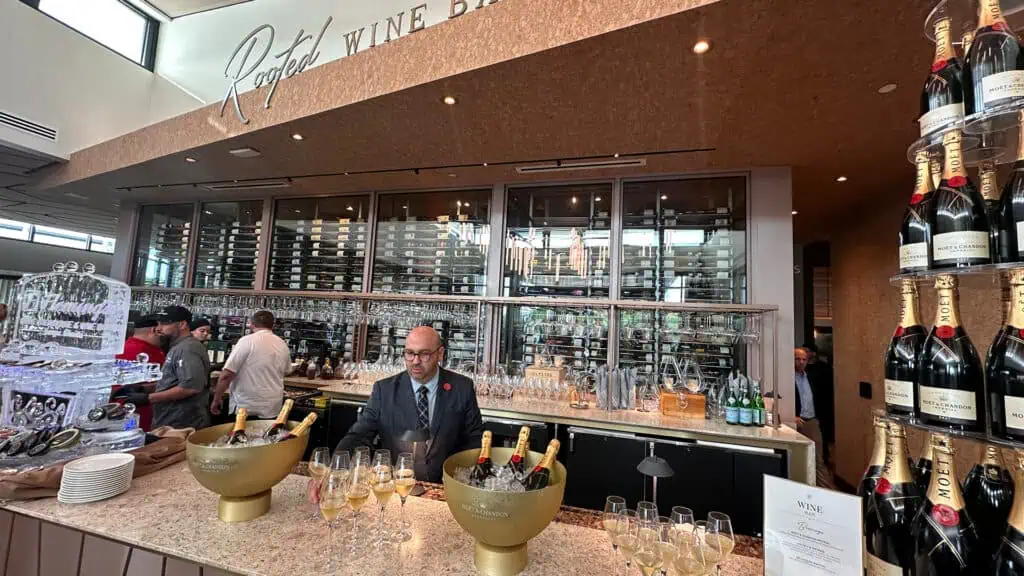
<point x="746" y="407"/>
<point x="759" y="412"/>
<point x="732" y="407"/>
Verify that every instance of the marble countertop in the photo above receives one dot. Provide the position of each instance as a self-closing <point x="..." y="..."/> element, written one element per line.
<point x="170" y="513"/>
<point x="620" y="420"/>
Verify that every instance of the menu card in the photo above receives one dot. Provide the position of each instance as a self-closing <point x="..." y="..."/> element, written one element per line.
<point x="810" y="531"/>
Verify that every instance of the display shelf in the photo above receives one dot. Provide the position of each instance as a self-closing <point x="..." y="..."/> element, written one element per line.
<point x="318" y="254"/>
<point x="973" y="436"/>
<point x="982" y="270"/>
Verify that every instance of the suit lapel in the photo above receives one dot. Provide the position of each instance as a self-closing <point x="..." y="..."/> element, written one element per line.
<point x="441" y="404"/>
<point x="406" y="402"/>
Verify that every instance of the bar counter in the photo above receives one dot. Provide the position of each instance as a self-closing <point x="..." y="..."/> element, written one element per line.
<point x="800" y="448"/>
<point x="167" y="524"/>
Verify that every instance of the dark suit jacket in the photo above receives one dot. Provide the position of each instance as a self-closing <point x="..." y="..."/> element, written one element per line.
<point x="391" y="411"/>
<point x="819" y="376"/>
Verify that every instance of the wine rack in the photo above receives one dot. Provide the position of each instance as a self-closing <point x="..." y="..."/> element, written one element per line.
<point x="458" y="339"/>
<point x="715" y="342"/>
<point x="228" y="245"/>
<point x="578" y="335"/>
<point x="318" y="255"/>
<point x="162" y="246"/>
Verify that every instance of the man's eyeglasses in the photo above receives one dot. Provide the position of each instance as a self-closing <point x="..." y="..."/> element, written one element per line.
<point x="423" y="355"/>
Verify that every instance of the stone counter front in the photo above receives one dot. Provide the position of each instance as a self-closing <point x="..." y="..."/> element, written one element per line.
<point x="167" y="525"/>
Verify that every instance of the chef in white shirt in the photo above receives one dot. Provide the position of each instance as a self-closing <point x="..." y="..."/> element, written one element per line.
<point x="255" y="371"/>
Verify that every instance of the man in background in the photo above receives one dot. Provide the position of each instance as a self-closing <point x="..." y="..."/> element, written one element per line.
<point x="182" y="394"/>
<point x="810" y="407"/>
<point x="255" y="371"/>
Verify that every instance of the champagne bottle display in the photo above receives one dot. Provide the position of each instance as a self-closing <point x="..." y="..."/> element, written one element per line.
<point x="915" y="232"/>
<point x="518" y="460"/>
<point x="945" y="541"/>
<point x="238" y="435"/>
<point x="1009" y="557"/>
<point x="988" y="493"/>
<point x="888" y="544"/>
<point x="990" y="194"/>
<point x="901" y="358"/>
<point x="540" y="476"/>
<point x="942" y="99"/>
<point x="277" y="428"/>
<point x="484" y="467"/>
<point x="1011" y="203"/>
<point x="1005" y="367"/>
<point x="994" y="68"/>
<point x="923" y="466"/>
<point x="956" y="216"/>
<point x="950" y="390"/>
<point x="866" y="488"/>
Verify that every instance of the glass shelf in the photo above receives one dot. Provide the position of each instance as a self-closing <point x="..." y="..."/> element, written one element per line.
<point x="983" y="271"/>
<point x="972" y="436"/>
<point x="162" y="245"/>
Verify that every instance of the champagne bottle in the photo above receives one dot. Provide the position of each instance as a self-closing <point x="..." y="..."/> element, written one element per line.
<point x="238" y="431"/>
<point x="1005" y="367"/>
<point x="923" y="467"/>
<point x="916" y="232"/>
<point x="902" y="357"/>
<point x="942" y="99"/>
<point x="483" y="468"/>
<point x="872" y="473"/>
<point x="541" y="474"/>
<point x="518" y="460"/>
<point x="990" y="194"/>
<point x="945" y="541"/>
<point x="988" y="493"/>
<point x="891" y="510"/>
<point x="282" y="418"/>
<point x="1009" y="557"/>
<point x="957" y="218"/>
<point x="935" y="168"/>
<point x="951" y="386"/>
<point x="1011" y="204"/>
<point x="994" y="67"/>
<point x="299" y="430"/>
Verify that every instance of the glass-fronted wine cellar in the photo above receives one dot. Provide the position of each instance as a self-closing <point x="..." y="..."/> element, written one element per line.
<point x="646" y="274"/>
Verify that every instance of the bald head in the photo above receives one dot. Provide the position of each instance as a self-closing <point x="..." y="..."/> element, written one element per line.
<point x="423" y="352"/>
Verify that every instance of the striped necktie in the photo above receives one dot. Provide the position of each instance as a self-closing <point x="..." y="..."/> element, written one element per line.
<point x="423" y="407"/>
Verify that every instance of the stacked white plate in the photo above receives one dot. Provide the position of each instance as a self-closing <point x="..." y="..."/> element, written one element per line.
<point x="96" y="478"/>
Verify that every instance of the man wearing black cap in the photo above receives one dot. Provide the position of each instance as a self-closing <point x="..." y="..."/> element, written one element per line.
<point x="145" y="339"/>
<point x="183" y="394"/>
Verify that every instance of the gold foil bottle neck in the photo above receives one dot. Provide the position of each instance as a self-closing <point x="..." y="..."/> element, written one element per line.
<point x="943" y="40"/>
<point x="992" y="456"/>
<point x="945" y="282"/>
<point x="928" y="451"/>
<point x="897" y="469"/>
<point x="989" y="183"/>
<point x="881" y="439"/>
<point x="1016" y="277"/>
<point x="945" y="485"/>
<point x="1016" y="518"/>
<point x="989" y="14"/>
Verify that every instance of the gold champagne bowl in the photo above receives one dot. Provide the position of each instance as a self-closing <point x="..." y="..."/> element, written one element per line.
<point x="242" y="476"/>
<point x="501" y="522"/>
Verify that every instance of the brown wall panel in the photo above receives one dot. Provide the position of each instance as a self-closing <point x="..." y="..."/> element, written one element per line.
<point x="175" y="567"/>
<point x="143" y="563"/>
<point x="103" y="557"/>
<point x="59" y="550"/>
<point x="6" y="531"/>
<point x="23" y="559"/>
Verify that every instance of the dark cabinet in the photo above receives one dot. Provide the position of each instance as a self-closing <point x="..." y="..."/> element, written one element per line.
<point x="750" y="469"/>
<point x="601" y="463"/>
<point x="505" y="433"/>
<point x="318" y="433"/>
<point x="343" y="414"/>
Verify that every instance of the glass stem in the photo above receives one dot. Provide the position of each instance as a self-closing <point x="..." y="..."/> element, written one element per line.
<point x="330" y="546"/>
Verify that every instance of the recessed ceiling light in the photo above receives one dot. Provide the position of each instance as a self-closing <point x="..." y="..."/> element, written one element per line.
<point x="575" y="200"/>
<point x="597" y="199"/>
<point x="346" y="173"/>
<point x="296" y="136"/>
<point x="795" y="212"/>
<point x="458" y="203"/>
<point x="616" y="154"/>
<point x="405" y="206"/>
<point x="664" y="197"/>
<point x="246" y="152"/>
<point x="465" y="204"/>
<point x="451" y="174"/>
<point x="450" y="100"/>
<point x="298" y="211"/>
<point x="349" y="208"/>
<point x="701" y="47"/>
<point x="190" y="160"/>
<point x="841" y="179"/>
<point x="485" y="164"/>
<point x="887" y="88"/>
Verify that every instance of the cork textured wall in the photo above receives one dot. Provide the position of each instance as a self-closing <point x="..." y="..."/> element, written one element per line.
<point x="865" y="313"/>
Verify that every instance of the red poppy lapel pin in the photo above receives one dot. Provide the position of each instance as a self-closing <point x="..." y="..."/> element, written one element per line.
<point x="446" y="387"/>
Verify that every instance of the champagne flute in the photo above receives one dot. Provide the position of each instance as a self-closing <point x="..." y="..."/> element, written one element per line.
<point x="647" y="511"/>
<point x="405" y="481"/>
<point x="647" y="554"/>
<point x="356" y="494"/>
<point x="682" y="520"/>
<point x="720" y="537"/>
<point x="610" y="520"/>
<point x="628" y="533"/>
<point x="381" y="461"/>
<point x="332" y="502"/>
<point x="667" y="543"/>
<point x="319" y="465"/>
<point x="690" y="559"/>
<point x="383" y="486"/>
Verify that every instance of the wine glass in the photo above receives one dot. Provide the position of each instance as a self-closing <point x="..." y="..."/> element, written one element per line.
<point x="667" y="543"/>
<point x="719" y="537"/>
<point x="405" y="480"/>
<point x="647" y="554"/>
<point x="332" y="502"/>
<point x="690" y="559"/>
<point x="383" y="484"/>
<point x="319" y="465"/>
<point x="612" y="506"/>
<point x="628" y="532"/>
<point x="682" y="520"/>
<point x="356" y="494"/>
<point x="647" y="511"/>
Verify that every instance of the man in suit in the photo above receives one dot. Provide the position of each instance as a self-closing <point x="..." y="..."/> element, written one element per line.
<point x="811" y="409"/>
<point x="423" y="396"/>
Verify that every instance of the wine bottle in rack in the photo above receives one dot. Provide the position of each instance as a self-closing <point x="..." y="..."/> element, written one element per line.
<point x="993" y="75"/>
<point x="950" y="390"/>
<point x="901" y="359"/>
<point x="868" y="482"/>
<point x="888" y="544"/>
<point x="1004" y="369"/>
<point x="988" y="493"/>
<point x="945" y="540"/>
<point x="998" y="248"/>
<point x="923" y="466"/>
<point x="957" y="218"/>
<point x="915" y="232"/>
<point x="1009" y="557"/>
<point x="1011" y="203"/>
<point x="942" y="99"/>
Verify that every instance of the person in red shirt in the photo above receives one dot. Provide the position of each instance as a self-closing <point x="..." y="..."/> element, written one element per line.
<point x="144" y="340"/>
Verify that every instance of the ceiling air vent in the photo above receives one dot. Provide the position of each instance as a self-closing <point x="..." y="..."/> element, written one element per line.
<point x="27" y="126"/>
<point x="253" y="185"/>
<point x="584" y="165"/>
